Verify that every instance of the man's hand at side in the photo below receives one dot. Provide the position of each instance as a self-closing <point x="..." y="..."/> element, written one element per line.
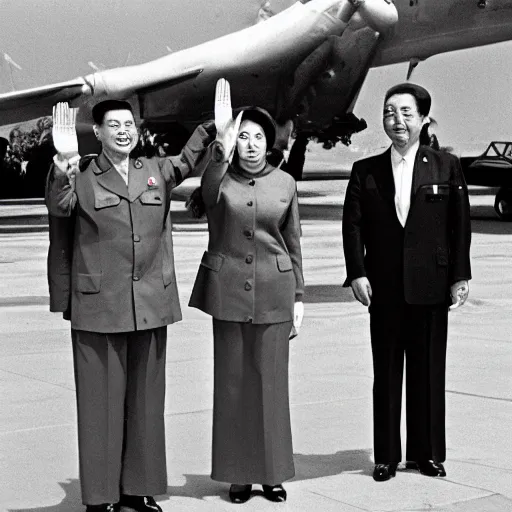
<point x="362" y="290"/>
<point x="459" y="292"/>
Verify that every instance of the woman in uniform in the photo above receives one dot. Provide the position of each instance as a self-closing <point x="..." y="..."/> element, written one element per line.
<point x="250" y="281"/>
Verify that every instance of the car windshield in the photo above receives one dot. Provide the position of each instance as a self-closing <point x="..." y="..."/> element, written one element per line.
<point x="499" y="150"/>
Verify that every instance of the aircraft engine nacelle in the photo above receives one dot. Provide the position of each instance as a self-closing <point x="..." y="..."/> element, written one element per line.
<point x="380" y="15"/>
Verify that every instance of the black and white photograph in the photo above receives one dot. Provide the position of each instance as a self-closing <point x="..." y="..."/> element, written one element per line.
<point x="255" y="255"/>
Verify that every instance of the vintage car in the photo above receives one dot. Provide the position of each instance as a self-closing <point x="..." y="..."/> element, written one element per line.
<point x="494" y="169"/>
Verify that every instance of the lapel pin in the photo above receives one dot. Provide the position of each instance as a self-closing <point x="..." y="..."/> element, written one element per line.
<point x="138" y="164"/>
<point x="425" y="159"/>
<point x="151" y="181"/>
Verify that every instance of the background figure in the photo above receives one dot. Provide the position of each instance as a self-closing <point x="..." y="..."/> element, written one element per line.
<point x="428" y="136"/>
<point x="294" y="166"/>
<point x="406" y="236"/>
<point x="111" y="270"/>
<point x="250" y="281"/>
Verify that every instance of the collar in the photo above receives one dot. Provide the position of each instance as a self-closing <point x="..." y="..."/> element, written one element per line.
<point x="104" y="163"/>
<point x="249" y="175"/>
<point x="409" y="157"/>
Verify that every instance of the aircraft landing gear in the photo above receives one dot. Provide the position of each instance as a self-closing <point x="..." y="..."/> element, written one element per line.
<point x="503" y="204"/>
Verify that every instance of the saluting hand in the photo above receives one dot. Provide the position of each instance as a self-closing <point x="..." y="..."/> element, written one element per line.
<point x="65" y="140"/>
<point x="362" y="290"/>
<point x="227" y="127"/>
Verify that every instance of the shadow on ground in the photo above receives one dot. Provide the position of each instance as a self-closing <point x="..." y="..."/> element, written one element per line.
<point x="320" y="293"/>
<point x="307" y="467"/>
<point x="72" y="500"/>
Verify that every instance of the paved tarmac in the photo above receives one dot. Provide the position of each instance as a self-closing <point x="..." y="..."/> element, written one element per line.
<point x="330" y="380"/>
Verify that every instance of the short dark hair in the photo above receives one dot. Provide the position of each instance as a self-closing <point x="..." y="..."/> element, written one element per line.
<point x="421" y="95"/>
<point x="100" y="109"/>
<point x="265" y="120"/>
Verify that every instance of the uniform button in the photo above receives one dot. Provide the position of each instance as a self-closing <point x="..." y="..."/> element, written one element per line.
<point x="136" y="278"/>
<point x="249" y="203"/>
<point x="248" y="259"/>
<point x="248" y="286"/>
<point x="136" y="238"/>
<point x="248" y="233"/>
<point x="252" y="183"/>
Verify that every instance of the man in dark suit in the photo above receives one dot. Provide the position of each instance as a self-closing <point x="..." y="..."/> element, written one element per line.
<point x="111" y="270"/>
<point x="406" y="235"/>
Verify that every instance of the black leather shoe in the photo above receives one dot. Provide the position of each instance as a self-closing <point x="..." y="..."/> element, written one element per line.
<point x="139" y="503"/>
<point x="274" y="493"/>
<point x="105" y="507"/>
<point x="383" y="472"/>
<point x="440" y="468"/>
<point x="427" y="467"/>
<point x="240" y="493"/>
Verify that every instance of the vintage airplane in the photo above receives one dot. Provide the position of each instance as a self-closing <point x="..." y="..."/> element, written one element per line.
<point x="303" y="61"/>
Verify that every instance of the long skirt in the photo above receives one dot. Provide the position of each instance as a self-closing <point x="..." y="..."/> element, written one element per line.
<point x="252" y="441"/>
<point x="120" y="390"/>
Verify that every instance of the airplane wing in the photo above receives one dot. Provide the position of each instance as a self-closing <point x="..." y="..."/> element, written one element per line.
<point x="21" y="106"/>
<point x="260" y="61"/>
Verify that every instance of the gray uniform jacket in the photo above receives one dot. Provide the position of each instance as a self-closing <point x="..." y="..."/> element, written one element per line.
<point x="252" y="270"/>
<point x="121" y="267"/>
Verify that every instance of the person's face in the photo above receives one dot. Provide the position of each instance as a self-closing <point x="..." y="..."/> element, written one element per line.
<point x="117" y="133"/>
<point x="251" y="144"/>
<point x="402" y="121"/>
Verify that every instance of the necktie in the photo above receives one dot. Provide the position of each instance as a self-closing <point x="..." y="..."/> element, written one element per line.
<point x="403" y="195"/>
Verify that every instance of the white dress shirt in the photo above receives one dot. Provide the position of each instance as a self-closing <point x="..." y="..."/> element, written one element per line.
<point x="122" y="169"/>
<point x="403" y="167"/>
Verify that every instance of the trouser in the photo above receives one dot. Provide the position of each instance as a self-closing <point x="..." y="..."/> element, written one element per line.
<point x="421" y="333"/>
<point x="252" y="441"/>
<point x="120" y="389"/>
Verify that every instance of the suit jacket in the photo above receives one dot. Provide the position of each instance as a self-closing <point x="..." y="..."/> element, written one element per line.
<point x="420" y="261"/>
<point x="112" y="266"/>
<point x="252" y="270"/>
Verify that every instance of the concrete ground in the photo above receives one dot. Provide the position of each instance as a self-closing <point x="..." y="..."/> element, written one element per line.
<point x="330" y="380"/>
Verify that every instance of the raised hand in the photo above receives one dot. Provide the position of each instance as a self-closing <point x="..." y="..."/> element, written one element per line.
<point x="227" y="127"/>
<point x="64" y="132"/>
<point x="65" y="141"/>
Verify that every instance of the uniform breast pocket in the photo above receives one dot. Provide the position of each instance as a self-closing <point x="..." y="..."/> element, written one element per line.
<point x="106" y="200"/>
<point x="436" y="193"/>
<point x="151" y="197"/>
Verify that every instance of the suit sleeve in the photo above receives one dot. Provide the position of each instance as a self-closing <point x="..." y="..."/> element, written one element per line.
<point x="60" y="200"/>
<point x="353" y="245"/>
<point x="60" y="196"/>
<point x="60" y="251"/>
<point x="291" y="231"/>
<point x="214" y="173"/>
<point x="177" y="168"/>
<point x="460" y="225"/>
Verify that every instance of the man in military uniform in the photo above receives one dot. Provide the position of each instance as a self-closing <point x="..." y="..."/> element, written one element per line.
<point x="111" y="269"/>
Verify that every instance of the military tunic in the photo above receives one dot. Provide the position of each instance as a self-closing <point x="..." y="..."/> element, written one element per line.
<point x="112" y="267"/>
